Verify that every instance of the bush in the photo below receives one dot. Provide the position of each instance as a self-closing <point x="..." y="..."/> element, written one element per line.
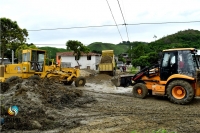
<point x="133" y="70"/>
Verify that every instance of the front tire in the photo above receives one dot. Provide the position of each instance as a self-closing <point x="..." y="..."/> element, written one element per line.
<point x="80" y="81"/>
<point x="180" y="92"/>
<point x="140" y="90"/>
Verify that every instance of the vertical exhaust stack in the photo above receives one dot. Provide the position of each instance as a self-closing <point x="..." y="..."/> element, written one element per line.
<point x="12" y="57"/>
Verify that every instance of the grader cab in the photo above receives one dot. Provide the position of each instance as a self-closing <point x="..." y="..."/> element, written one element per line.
<point x="177" y="77"/>
<point x="32" y="64"/>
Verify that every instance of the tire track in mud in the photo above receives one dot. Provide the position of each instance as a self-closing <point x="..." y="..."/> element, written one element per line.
<point x="152" y="113"/>
<point x="121" y="112"/>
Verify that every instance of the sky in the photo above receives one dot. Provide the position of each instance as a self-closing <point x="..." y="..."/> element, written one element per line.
<point x="54" y="14"/>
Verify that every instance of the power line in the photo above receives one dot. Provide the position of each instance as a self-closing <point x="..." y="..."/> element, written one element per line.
<point x="164" y="23"/>
<point x="117" y="25"/>
<point x="114" y="20"/>
<point x="123" y="19"/>
<point x="97" y="26"/>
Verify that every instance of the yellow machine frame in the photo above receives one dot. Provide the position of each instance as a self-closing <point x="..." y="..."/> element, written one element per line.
<point x="32" y="62"/>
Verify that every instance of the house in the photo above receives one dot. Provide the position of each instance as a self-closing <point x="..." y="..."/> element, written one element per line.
<point x="126" y="57"/>
<point x="89" y="61"/>
<point x="198" y="54"/>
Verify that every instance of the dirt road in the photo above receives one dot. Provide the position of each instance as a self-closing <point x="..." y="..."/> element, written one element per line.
<point x="101" y="108"/>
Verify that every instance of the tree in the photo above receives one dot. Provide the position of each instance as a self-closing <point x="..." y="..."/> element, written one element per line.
<point x="137" y="51"/>
<point x="12" y="36"/>
<point x="78" y="49"/>
<point x="24" y="46"/>
<point x="142" y="61"/>
<point x="96" y="51"/>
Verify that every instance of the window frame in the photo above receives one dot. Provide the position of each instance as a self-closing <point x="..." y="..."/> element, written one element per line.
<point x="89" y="57"/>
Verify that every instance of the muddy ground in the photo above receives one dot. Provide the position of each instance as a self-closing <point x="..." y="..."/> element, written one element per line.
<point x="98" y="107"/>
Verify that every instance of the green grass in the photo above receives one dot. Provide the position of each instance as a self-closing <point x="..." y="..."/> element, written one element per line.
<point x="133" y="70"/>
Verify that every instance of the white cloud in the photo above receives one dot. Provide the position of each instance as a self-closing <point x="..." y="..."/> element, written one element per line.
<point x="72" y="13"/>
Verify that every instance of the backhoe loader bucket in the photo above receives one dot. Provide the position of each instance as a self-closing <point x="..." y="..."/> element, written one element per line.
<point x="116" y="81"/>
<point x="122" y="80"/>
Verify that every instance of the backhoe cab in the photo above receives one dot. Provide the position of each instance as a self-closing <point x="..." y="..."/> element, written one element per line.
<point x="177" y="77"/>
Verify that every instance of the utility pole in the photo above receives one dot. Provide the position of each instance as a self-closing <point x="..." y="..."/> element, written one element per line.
<point x="12" y="57"/>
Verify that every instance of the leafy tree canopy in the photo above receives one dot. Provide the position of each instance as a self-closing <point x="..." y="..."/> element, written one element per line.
<point x="148" y="54"/>
<point x="77" y="47"/>
<point x="24" y="46"/>
<point x="12" y="36"/>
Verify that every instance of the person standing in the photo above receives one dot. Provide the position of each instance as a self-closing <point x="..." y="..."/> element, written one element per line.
<point x="125" y="68"/>
<point x="121" y="68"/>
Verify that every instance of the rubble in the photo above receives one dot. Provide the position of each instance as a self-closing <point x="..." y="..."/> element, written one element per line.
<point x="34" y="99"/>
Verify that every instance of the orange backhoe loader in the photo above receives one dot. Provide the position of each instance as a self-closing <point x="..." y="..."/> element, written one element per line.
<point x="177" y="76"/>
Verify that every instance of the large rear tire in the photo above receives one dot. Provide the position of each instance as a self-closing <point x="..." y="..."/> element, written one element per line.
<point x="140" y="90"/>
<point x="180" y="92"/>
<point x="80" y="81"/>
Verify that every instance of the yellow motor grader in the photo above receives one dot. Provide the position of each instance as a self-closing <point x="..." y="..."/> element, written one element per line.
<point x="177" y="76"/>
<point x="32" y="65"/>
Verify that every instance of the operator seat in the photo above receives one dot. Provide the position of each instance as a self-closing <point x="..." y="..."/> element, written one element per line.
<point x="174" y="68"/>
<point x="181" y="64"/>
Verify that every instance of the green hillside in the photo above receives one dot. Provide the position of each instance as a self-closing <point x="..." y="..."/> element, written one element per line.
<point x="181" y="39"/>
<point x="186" y="38"/>
<point x="99" y="46"/>
<point x="51" y="51"/>
<point x="143" y="53"/>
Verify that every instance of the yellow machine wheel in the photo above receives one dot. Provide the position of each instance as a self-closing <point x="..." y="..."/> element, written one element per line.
<point x="140" y="90"/>
<point x="80" y="81"/>
<point x="180" y="92"/>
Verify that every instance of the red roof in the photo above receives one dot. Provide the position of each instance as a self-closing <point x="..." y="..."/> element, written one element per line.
<point x="72" y="54"/>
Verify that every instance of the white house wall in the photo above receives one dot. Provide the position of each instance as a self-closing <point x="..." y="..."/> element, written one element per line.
<point x="82" y="61"/>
